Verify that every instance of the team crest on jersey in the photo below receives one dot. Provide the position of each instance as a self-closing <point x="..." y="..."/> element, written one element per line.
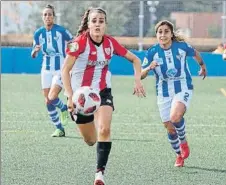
<point x="56" y="38"/>
<point x="107" y="51"/>
<point x="73" y="46"/>
<point x="171" y="72"/>
<point x="145" y="62"/>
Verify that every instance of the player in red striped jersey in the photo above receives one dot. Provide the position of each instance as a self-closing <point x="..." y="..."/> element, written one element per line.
<point x="87" y="59"/>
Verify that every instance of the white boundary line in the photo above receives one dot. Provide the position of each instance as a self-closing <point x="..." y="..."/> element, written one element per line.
<point x="116" y="136"/>
<point x="120" y="123"/>
<point x="223" y="91"/>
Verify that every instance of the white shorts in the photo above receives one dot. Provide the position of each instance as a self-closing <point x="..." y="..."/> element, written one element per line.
<point x="165" y="103"/>
<point x="50" y="78"/>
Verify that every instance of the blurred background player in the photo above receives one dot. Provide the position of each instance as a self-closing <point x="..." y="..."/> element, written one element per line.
<point x="224" y="52"/>
<point x="174" y="85"/>
<point x="87" y="59"/>
<point x="219" y="49"/>
<point x="51" y="40"/>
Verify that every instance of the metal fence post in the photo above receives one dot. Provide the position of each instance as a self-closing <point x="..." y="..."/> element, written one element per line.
<point x="141" y="26"/>
<point x="223" y="17"/>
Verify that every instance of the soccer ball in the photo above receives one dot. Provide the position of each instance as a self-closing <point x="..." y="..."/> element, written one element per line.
<point x="86" y="101"/>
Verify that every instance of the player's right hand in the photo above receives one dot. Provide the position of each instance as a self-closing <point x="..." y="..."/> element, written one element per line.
<point x="139" y="89"/>
<point x="70" y="105"/>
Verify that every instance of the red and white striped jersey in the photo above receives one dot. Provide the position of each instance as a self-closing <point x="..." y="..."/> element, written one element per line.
<point x="91" y="66"/>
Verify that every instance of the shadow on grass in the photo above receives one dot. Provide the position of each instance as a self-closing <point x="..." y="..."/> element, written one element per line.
<point x="132" y="140"/>
<point x="73" y="137"/>
<point x="116" y="139"/>
<point x="206" y="169"/>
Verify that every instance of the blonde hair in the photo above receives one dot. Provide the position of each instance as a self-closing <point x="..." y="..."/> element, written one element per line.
<point x="176" y="36"/>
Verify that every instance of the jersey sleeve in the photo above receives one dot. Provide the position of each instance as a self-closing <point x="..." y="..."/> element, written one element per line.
<point x="36" y="39"/>
<point x="190" y="51"/>
<point x="67" y="35"/>
<point x="76" y="46"/>
<point x="118" y="48"/>
<point x="148" y="58"/>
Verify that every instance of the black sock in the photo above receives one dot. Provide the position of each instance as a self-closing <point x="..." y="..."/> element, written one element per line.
<point x="103" y="150"/>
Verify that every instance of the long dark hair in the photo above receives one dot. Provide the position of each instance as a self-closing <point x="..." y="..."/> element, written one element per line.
<point x="84" y="23"/>
<point x="176" y="36"/>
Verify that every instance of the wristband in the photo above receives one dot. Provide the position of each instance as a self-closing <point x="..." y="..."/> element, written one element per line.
<point x="201" y="63"/>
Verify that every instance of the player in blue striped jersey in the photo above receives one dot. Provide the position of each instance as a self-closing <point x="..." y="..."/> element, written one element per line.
<point x="174" y="85"/>
<point x="51" y="39"/>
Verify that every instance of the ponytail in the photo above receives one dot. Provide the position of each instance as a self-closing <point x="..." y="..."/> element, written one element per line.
<point x="84" y="23"/>
<point x="178" y="37"/>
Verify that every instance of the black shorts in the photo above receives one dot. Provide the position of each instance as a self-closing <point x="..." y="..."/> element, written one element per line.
<point x="106" y="99"/>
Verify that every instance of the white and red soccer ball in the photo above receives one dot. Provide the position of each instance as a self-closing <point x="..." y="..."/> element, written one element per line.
<point x="86" y="100"/>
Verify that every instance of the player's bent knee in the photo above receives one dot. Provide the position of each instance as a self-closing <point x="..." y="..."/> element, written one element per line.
<point x="52" y="97"/>
<point x="176" y="118"/>
<point x="170" y="128"/>
<point x="103" y="131"/>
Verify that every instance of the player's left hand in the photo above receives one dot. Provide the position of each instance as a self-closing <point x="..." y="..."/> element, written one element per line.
<point x="153" y="65"/>
<point x="203" y="72"/>
<point x="139" y="89"/>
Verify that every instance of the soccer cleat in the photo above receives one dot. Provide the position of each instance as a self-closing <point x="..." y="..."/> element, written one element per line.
<point x="99" y="178"/>
<point x="64" y="117"/>
<point x="58" y="133"/>
<point x="179" y="161"/>
<point x="185" y="151"/>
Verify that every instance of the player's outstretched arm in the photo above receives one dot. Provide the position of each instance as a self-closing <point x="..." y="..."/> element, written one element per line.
<point x="66" y="79"/>
<point x="136" y="64"/>
<point x="198" y="58"/>
<point x="138" y="89"/>
<point x="35" y="51"/>
<point x="144" y="72"/>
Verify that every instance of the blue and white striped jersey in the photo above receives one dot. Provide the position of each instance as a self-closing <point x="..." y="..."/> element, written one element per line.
<point x="52" y="45"/>
<point x="172" y="74"/>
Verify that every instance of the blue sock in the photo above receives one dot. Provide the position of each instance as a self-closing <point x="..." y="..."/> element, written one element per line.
<point x="58" y="103"/>
<point x="53" y="114"/>
<point x="175" y="142"/>
<point x="59" y="126"/>
<point x="180" y="128"/>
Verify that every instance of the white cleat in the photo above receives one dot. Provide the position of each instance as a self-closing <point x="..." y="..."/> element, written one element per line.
<point x="99" y="178"/>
